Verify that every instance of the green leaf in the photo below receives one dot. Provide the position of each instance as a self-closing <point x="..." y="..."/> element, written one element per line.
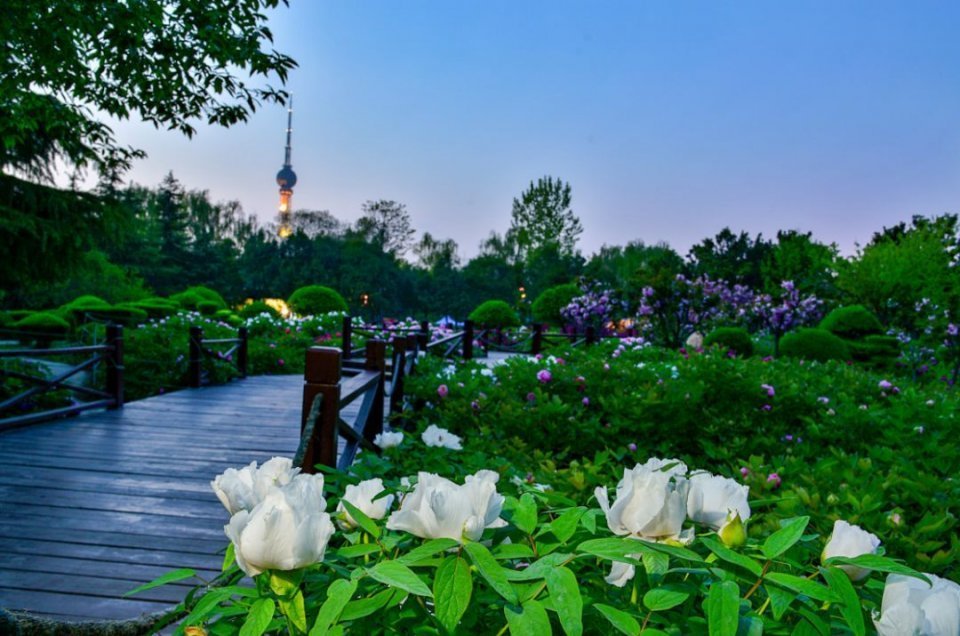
<point x="565" y="525"/>
<point x="780" y="600"/>
<point x="723" y="609"/>
<point x="673" y="550"/>
<point x="338" y="595"/>
<point x="656" y="564"/>
<point x="624" y="622"/>
<point x="396" y="574"/>
<point x="259" y="617"/>
<point x="659" y="599"/>
<point x="508" y="551"/>
<point x="362" y="519"/>
<point x="452" y="589"/>
<point x="229" y="557"/>
<point x="525" y="514"/>
<point x="784" y="538"/>
<point x="169" y="577"/>
<point x="877" y="563"/>
<point x="730" y="556"/>
<point x="285" y="583"/>
<point x="427" y="550"/>
<point x="800" y="585"/>
<point x="850" y="607"/>
<point x="565" y="592"/>
<point x="531" y="620"/>
<point x="293" y="609"/>
<point x="750" y="626"/>
<point x="354" y="551"/>
<point x="612" y="549"/>
<point x="491" y="571"/>
<point x="366" y="606"/>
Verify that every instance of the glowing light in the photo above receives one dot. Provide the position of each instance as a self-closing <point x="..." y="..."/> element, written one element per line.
<point x="279" y="305"/>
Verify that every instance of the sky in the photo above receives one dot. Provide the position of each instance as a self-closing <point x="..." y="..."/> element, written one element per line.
<point x="670" y="120"/>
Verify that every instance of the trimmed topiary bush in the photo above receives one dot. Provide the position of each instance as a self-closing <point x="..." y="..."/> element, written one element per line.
<point x="313" y="300"/>
<point x="208" y="307"/>
<point x="79" y="307"/>
<point x="495" y="313"/>
<point x="731" y="338"/>
<point x="124" y="314"/>
<point x="191" y="298"/>
<point x="256" y="308"/>
<point x="814" y="344"/>
<point x="853" y="322"/>
<point x="44" y="323"/>
<point x="547" y="306"/>
<point x="155" y="307"/>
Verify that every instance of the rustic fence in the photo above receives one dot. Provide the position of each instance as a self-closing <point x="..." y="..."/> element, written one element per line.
<point x="201" y="348"/>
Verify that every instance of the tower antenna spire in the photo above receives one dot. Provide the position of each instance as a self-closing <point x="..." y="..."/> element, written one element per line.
<point x="286" y="179"/>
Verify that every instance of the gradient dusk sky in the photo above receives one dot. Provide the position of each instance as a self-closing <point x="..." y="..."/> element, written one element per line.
<point x="670" y="120"/>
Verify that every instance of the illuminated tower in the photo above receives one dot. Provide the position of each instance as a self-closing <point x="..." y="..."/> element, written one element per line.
<point x="286" y="179"/>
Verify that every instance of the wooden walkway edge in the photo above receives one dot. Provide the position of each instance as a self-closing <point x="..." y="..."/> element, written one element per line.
<point x="95" y="505"/>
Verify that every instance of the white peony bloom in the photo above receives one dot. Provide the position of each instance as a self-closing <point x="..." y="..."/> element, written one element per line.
<point x="362" y="496"/>
<point x="439" y="508"/>
<point x="388" y="440"/>
<point x="288" y="530"/>
<point x="850" y="541"/>
<point x="621" y="573"/>
<point x="714" y="500"/>
<point x="243" y="489"/>
<point x="695" y="341"/>
<point x="911" y="606"/>
<point x="650" y="504"/>
<point x="669" y="466"/>
<point x="441" y="437"/>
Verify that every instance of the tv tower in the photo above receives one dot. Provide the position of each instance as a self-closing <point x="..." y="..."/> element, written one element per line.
<point x="286" y="179"/>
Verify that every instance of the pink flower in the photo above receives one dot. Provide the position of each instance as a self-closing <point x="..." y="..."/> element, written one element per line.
<point x="561" y="361"/>
<point x="475" y="405"/>
<point x="886" y="385"/>
<point x="606" y="367"/>
<point x="280" y="362"/>
<point x="531" y="397"/>
<point x="774" y="478"/>
<point x="767" y="407"/>
<point x="544" y="376"/>
<point x="768" y="389"/>
<point x="442" y="390"/>
<point x="632" y="447"/>
<point x="744" y="471"/>
<point x="586" y="401"/>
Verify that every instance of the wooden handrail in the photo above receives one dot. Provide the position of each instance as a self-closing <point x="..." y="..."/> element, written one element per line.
<point x="39" y="353"/>
<point x="199" y="350"/>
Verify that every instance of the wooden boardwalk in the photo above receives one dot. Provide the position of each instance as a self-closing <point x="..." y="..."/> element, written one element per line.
<point x="95" y="505"/>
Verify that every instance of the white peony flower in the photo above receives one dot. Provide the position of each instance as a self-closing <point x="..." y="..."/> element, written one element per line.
<point x="695" y="341"/>
<point x="288" y="530"/>
<point x="439" y="508"/>
<point x="911" y="606"/>
<point x="388" y="440"/>
<point x="651" y="503"/>
<point x="243" y="489"/>
<point x="718" y="502"/>
<point x="362" y="496"/>
<point x="441" y="437"/>
<point x="850" y="541"/>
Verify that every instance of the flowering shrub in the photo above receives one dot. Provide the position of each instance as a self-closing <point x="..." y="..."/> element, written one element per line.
<point x="594" y="307"/>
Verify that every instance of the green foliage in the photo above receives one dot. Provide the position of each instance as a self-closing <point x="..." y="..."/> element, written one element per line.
<point x="314" y="300"/>
<point x="193" y="297"/>
<point x="256" y="308"/>
<point x="731" y="339"/>
<point x="155" y="307"/>
<point x="495" y="313"/>
<point x="208" y="307"/>
<point x="547" y="306"/>
<point x="542" y="217"/>
<point x="853" y="322"/>
<point x="43" y="322"/>
<point x="814" y="344"/>
<point x="734" y="258"/>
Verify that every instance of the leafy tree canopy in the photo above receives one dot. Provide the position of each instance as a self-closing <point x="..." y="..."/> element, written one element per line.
<point x="387" y="224"/>
<point x="542" y="216"/>
<point x="170" y="62"/>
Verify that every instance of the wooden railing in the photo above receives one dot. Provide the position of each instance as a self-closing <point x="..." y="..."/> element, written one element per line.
<point x="332" y="383"/>
<point x="110" y="354"/>
<point x="200" y="348"/>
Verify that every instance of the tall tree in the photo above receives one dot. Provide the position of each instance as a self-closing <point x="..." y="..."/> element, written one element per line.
<point x="542" y="216"/>
<point x="735" y="258"/>
<point x="387" y="224"/>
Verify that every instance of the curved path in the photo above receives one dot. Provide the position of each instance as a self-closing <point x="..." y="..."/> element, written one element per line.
<point x="95" y="505"/>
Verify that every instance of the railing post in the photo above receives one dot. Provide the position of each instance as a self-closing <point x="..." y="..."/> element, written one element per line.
<point x="321" y="376"/>
<point x="195" y="362"/>
<point x="115" y="364"/>
<point x="399" y="367"/>
<point x="346" y="333"/>
<point x="242" y="352"/>
<point x="376" y="361"/>
<point x="468" y="340"/>
<point x="536" y="340"/>
<point x="591" y="335"/>
<point x="424" y="336"/>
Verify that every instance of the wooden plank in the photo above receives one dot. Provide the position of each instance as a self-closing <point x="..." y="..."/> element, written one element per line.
<point x="68" y="583"/>
<point x="113" y="554"/>
<point x="161" y="506"/>
<point x="138" y="574"/>
<point x="79" y="606"/>
<point x="17" y="529"/>
<point x="127" y="522"/>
